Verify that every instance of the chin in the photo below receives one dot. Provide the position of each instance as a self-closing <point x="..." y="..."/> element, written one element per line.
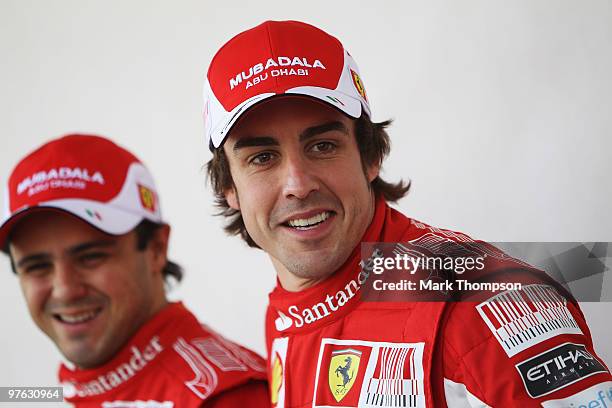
<point x="305" y="273"/>
<point x="82" y="355"/>
<point x="319" y="266"/>
<point x="80" y="359"/>
<point x="83" y="359"/>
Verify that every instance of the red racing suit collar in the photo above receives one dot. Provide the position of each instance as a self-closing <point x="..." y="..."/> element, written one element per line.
<point x="137" y="357"/>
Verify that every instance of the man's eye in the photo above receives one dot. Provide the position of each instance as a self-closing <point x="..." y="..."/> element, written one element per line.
<point x="37" y="268"/>
<point x="323" y="147"/>
<point x="261" y="158"/>
<point x="92" y="258"/>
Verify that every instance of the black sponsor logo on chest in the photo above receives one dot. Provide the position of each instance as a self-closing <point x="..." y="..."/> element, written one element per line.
<point x="557" y="368"/>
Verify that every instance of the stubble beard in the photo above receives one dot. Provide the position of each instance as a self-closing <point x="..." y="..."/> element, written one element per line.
<point x="316" y="267"/>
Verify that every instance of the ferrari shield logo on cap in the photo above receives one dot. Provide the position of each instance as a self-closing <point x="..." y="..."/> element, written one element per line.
<point x="343" y="367"/>
<point x="147" y="198"/>
<point x="359" y="84"/>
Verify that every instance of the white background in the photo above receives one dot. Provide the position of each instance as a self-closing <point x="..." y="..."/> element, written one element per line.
<point x="502" y="121"/>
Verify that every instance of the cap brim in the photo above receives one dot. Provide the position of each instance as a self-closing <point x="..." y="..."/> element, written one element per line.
<point x="106" y="218"/>
<point x="345" y="103"/>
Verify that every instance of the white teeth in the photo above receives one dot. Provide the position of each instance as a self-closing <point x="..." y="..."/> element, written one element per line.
<point x="79" y="318"/>
<point x="307" y="222"/>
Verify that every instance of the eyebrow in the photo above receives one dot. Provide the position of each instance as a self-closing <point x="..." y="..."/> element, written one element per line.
<point x="308" y="133"/>
<point x="335" y="125"/>
<point x="44" y="256"/>
<point x="254" y="142"/>
<point x="33" y="258"/>
<point x="102" y="243"/>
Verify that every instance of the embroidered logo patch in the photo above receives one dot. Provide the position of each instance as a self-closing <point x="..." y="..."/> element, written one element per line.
<point x="359" y="84"/>
<point x="522" y="318"/>
<point x="557" y="368"/>
<point x="343" y="367"/>
<point x="277" y="370"/>
<point x="147" y="198"/>
<point x="357" y="373"/>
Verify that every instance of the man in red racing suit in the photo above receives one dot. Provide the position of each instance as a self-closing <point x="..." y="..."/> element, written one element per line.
<point x="88" y="244"/>
<point x="173" y="361"/>
<point x="296" y="170"/>
<point x="494" y="353"/>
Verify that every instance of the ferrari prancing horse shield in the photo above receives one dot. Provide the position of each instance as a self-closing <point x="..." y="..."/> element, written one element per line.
<point x="343" y="367"/>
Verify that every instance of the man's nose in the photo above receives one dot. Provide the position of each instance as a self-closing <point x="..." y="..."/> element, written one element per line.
<point x="68" y="284"/>
<point x="300" y="178"/>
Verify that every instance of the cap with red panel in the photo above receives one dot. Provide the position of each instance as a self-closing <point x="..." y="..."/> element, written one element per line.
<point x="87" y="176"/>
<point x="275" y="58"/>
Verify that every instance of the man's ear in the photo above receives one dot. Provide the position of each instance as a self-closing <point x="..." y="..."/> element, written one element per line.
<point x="373" y="171"/>
<point x="232" y="198"/>
<point x="159" y="247"/>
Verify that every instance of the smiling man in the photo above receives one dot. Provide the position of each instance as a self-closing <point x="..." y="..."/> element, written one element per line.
<point x="87" y="241"/>
<point x="295" y="169"/>
<point x="312" y="235"/>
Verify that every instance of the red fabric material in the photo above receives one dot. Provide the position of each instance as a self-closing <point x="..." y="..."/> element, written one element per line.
<point x="401" y="352"/>
<point x="251" y="395"/>
<point x="172" y="358"/>
<point x="72" y="158"/>
<point x="240" y="56"/>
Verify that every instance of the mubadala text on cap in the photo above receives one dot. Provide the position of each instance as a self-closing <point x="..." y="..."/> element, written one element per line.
<point x="274" y="63"/>
<point x="61" y="173"/>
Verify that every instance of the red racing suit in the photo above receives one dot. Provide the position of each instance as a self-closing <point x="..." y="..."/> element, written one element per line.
<point x="523" y="347"/>
<point x="173" y="361"/>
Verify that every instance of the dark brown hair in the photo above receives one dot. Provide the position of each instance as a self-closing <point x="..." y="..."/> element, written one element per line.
<point x="374" y="145"/>
<point x="144" y="233"/>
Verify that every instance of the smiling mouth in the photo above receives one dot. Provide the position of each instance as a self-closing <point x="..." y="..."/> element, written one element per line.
<point x="303" y="224"/>
<point x="77" y="318"/>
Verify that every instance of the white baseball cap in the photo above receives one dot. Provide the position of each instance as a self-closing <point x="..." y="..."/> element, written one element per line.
<point x="87" y="176"/>
<point x="274" y="58"/>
